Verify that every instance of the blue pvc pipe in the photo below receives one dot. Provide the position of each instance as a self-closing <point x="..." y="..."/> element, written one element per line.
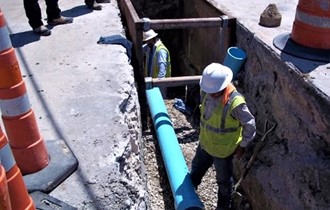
<point x="184" y="193"/>
<point x="235" y="59"/>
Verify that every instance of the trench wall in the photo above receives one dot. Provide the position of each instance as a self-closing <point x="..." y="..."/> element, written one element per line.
<point x="293" y="171"/>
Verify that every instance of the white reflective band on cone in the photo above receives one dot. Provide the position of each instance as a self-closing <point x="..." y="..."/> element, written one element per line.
<point x="5" y="42"/>
<point x="316" y="21"/>
<point x="16" y="106"/>
<point x="7" y="157"/>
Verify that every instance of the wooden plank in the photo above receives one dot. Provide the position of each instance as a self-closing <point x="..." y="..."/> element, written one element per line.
<point x="131" y="18"/>
<point x="135" y="26"/>
<point x="184" y="23"/>
<point x="176" y="81"/>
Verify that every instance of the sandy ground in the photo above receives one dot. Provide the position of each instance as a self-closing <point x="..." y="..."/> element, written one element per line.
<point x="84" y="94"/>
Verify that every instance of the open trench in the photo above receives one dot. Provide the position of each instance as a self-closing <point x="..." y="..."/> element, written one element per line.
<point x="282" y="167"/>
<point x="185" y="124"/>
<point x="186" y="128"/>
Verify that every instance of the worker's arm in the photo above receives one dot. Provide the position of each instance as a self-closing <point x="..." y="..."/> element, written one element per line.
<point x="243" y="114"/>
<point x="162" y="63"/>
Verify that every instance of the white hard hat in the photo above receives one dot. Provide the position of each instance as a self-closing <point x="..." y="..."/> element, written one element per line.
<point x="215" y="78"/>
<point x="147" y="35"/>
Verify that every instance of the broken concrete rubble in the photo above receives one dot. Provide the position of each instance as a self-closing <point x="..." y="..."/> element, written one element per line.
<point x="270" y="17"/>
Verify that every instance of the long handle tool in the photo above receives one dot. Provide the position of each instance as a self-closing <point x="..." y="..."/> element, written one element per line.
<point x="253" y="157"/>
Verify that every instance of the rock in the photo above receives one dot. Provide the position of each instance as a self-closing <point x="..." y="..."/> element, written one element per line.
<point x="270" y="17"/>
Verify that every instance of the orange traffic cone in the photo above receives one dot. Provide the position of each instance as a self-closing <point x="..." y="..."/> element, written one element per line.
<point x="18" y="193"/>
<point x="19" y="121"/>
<point x="4" y="194"/>
<point x="311" y="27"/>
<point x="309" y="38"/>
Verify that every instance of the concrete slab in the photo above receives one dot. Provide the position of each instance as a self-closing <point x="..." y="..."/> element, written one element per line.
<point x="84" y="93"/>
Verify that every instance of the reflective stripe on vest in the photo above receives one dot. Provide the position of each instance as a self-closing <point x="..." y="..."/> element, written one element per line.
<point x="219" y="130"/>
<point x="222" y="129"/>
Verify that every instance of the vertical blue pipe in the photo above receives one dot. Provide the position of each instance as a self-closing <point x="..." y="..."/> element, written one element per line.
<point x="235" y="59"/>
<point x="184" y="194"/>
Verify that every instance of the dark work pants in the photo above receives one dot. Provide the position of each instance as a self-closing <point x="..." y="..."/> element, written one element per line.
<point x="89" y="3"/>
<point x="224" y="172"/>
<point x="33" y="12"/>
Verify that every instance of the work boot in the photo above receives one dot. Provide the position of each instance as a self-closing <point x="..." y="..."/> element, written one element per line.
<point x="103" y="1"/>
<point x="60" y="20"/>
<point x="92" y="4"/>
<point x="42" y="31"/>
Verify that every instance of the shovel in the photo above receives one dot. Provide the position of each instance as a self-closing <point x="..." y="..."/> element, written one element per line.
<point x="235" y="194"/>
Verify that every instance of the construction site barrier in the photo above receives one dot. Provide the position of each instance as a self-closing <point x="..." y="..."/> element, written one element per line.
<point x="309" y="38"/>
<point x="25" y="140"/>
<point x="4" y="194"/>
<point x="42" y="171"/>
<point x="19" y="197"/>
<point x="311" y="27"/>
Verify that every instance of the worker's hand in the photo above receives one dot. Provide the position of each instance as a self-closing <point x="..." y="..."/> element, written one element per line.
<point x="239" y="152"/>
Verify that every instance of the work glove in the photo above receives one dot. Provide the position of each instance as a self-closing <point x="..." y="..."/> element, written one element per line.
<point x="239" y="151"/>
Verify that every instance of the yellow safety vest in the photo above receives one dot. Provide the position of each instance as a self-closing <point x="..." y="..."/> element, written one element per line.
<point x="221" y="133"/>
<point x="159" y="46"/>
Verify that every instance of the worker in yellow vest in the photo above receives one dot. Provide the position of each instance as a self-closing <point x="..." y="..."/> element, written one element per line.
<point x="157" y="60"/>
<point x="157" y="57"/>
<point x="226" y="128"/>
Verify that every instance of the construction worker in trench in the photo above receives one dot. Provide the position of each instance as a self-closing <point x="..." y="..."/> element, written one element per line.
<point x="226" y="128"/>
<point x="157" y="61"/>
